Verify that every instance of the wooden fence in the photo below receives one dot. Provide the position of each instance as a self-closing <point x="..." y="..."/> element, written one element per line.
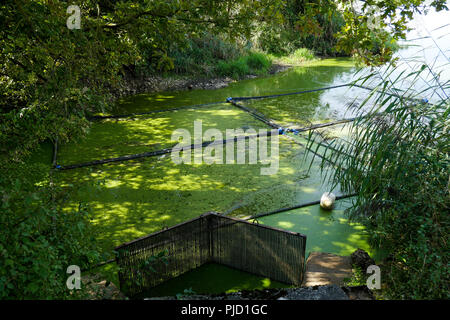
<point x="254" y="248"/>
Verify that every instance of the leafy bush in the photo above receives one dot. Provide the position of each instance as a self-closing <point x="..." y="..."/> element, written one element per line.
<point x="38" y="241"/>
<point x="298" y="56"/>
<point x="200" y="55"/>
<point x="254" y="63"/>
<point x="358" y="278"/>
<point x="210" y="55"/>
<point x="258" y="61"/>
<point x="235" y="69"/>
<point x="275" y="40"/>
<point x="303" y="54"/>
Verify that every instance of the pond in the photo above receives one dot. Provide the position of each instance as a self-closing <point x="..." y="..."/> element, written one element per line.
<point x="133" y="198"/>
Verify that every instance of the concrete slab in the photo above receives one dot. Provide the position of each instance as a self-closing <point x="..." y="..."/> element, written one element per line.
<point x="326" y="269"/>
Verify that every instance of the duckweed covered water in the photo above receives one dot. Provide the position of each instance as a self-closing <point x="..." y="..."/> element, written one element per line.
<point x="134" y="198"/>
<point x="327" y="231"/>
<point x="212" y="278"/>
<point x="114" y="138"/>
<point x="317" y="74"/>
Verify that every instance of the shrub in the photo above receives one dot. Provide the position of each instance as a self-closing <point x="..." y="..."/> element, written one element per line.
<point x="235" y="69"/>
<point x="318" y="34"/>
<point x="258" y="61"/>
<point x="274" y="40"/>
<point x="200" y="55"/>
<point x="253" y="63"/>
<point x="38" y="241"/>
<point x="303" y="54"/>
<point x="298" y="56"/>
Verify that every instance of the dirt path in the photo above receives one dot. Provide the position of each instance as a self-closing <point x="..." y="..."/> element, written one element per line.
<point x="326" y="269"/>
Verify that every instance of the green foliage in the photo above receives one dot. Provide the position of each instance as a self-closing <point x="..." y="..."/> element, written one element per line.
<point x="199" y="56"/>
<point x="358" y="278"/>
<point x="38" y="241"/>
<point x="254" y="63"/>
<point x="298" y="56"/>
<point x="185" y="295"/>
<point x="398" y="164"/>
<point x="235" y="69"/>
<point x="211" y="55"/>
<point x="311" y="25"/>
<point x="274" y="40"/>
<point x="303" y="54"/>
<point x="258" y="61"/>
<point x="364" y="29"/>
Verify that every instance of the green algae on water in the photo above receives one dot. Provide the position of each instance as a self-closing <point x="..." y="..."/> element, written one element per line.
<point x="134" y="198"/>
<point x="114" y="138"/>
<point x="326" y="231"/>
<point x="211" y="278"/>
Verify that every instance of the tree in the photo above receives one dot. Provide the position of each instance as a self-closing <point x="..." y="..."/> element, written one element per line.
<point x="51" y="77"/>
<point x="370" y="23"/>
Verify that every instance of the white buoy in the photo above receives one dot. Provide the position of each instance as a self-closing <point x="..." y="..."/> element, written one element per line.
<point x="327" y="200"/>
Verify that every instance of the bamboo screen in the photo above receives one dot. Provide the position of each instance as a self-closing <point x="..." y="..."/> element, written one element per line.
<point x="261" y="250"/>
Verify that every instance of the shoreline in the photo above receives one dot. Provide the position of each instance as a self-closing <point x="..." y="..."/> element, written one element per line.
<point x="155" y="83"/>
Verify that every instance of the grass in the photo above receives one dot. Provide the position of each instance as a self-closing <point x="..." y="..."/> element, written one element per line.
<point x="255" y="63"/>
<point x="358" y="278"/>
<point x="210" y="56"/>
<point x="259" y="63"/>
<point x="296" y="58"/>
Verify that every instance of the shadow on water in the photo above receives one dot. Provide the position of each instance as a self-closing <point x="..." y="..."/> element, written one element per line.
<point x="212" y="278"/>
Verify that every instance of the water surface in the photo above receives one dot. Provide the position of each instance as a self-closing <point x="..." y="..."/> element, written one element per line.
<point x="134" y="198"/>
